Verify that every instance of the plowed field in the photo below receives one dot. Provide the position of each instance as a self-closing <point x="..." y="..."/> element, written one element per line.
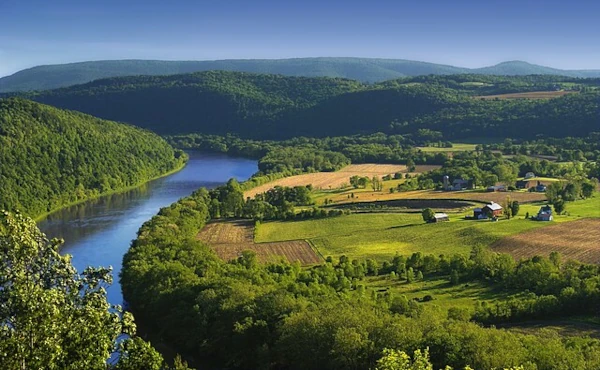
<point x="229" y="238"/>
<point x="578" y="240"/>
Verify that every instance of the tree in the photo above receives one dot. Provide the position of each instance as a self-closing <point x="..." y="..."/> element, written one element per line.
<point x="399" y="360"/>
<point x="514" y="208"/>
<point x="587" y="189"/>
<point x="507" y="208"/>
<point x="52" y="317"/>
<point x="410" y="165"/>
<point x="428" y="215"/>
<point x="559" y="206"/>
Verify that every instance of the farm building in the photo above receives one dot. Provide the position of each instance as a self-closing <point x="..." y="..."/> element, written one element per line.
<point x="460" y="184"/>
<point x="440" y="217"/>
<point x="496" y="188"/>
<point x="479" y="214"/>
<point x="540" y="188"/>
<point x="526" y="184"/>
<point x="529" y="175"/>
<point x="544" y="214"/>
<point x="493" y="209"/>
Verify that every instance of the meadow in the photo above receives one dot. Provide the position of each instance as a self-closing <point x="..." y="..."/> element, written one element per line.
<point x="382" y="235"/>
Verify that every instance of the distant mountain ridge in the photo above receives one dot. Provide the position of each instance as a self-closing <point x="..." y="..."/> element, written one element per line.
<point x="361" y="69"/>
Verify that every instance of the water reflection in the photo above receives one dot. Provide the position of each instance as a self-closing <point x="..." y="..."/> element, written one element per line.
<point x="98" y="232"/>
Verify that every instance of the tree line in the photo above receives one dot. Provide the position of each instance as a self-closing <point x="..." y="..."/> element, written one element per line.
<point x="279" y="107"/>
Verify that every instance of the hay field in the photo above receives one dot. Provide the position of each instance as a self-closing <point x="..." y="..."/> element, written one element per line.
<point x="230" y="238"/>
<point x="332" y="180"/>
<point x="578" y="240"/>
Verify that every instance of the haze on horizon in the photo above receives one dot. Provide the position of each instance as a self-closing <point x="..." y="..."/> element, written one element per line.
<point x="466" y="33"/>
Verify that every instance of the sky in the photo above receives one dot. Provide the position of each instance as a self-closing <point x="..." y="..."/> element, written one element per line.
<point x="560" y="34"/>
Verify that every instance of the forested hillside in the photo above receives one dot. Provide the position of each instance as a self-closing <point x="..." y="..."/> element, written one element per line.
<point x="51" y="157"/>
<point x="362" y="69"/>
<point x="273" y="106"/>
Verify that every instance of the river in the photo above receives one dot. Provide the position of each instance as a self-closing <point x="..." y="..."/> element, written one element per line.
<point x="99" y="232"/>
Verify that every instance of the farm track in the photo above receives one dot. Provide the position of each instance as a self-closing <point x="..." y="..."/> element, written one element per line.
<point x="578" y="240"/>
<point x="230" y="238"/>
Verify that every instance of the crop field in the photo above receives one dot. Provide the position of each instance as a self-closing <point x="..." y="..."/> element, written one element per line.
<point x="367" y="195"/>
<point x="382" y="235"/>
<point x="337" y="179"/>
<point x="456" y="147"/>
<point x="230" y="238"/>
<point x="579" y="240"/>
<point x="528" y="95"/>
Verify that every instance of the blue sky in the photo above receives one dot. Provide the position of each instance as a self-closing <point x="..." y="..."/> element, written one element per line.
<point x="466" y="33"/>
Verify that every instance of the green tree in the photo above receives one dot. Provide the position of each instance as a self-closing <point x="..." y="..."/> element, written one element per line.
<point x="514" y="207"/>
<point x="399" y="360"/>
<point x="559" y="206"/>
<point x="427" y="214"/>
<point x="51" y="317"/>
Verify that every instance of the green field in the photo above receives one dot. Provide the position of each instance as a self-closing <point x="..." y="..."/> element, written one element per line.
<point x="456" y="147"/>
<point x="445" y="295"/>
<point x="382" y="235"/>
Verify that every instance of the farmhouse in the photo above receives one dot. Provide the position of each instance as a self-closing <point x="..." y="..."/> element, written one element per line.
<point x="493" y="209"/>
<point x="544" y="214"/>
<point x="460" y="184"/>
<point x="496" y="188"/>
<point x="440" y="217"/>
<point x="526" y="184"/>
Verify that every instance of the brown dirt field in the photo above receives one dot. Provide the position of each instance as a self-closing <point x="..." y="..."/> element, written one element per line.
<point x="528" y="95"/>
<point x="332" y="180"/>
<point x="230" y="238"/>
<point x="485" y="197"/>
<point x="578" y="240"/>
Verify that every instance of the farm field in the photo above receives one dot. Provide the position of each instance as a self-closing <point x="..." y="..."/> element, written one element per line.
<point x="367" y="195"/>
<point x="381" y="235"/>
<point x="456" y="147"/>
<point x="230" y="238"/>
<point x="528" y="95"/>
<point x="445" y="295"/>
<point x="579" y="240"/>
<point x="332" y="180"/>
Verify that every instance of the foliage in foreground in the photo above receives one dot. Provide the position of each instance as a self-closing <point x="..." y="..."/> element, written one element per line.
<point x="52" y="317"/>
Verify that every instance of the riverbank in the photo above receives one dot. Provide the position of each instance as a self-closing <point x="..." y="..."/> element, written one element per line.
<point x="44" y="215"/>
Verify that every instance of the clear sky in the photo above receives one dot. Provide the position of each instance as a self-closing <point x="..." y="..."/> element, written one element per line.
<point x="561" y="34"/>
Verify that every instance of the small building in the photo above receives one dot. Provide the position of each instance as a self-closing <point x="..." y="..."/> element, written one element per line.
<point x="540" y="188"/>
<point x="440" y="217"/>
<point x="493" y="209"/>
<point x="496" y="188"/>
<point x="460" y="184"/>
<point x="529" y="175"/>
<point x="526" y="184"/>
<point x="479" y="214"/>
<point x="544" y="214"/>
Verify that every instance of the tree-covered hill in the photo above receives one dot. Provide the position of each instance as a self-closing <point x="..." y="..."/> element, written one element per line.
<point x="362" y="69"/>
<point x="275" y="106"/>
<point x="51" y="157"/>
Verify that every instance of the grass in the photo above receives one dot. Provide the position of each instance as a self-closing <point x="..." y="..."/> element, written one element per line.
<point x="445" y="295"/>
<point x="456" y="147"/>
<point x="574" y="210"/>
<point x="382" y="235"/>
